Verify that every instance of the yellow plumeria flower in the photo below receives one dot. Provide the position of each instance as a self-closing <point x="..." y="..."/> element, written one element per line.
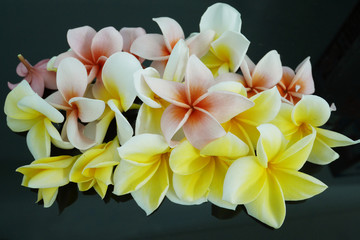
<point x="25" y="111"/>
<point x="94" y="168"/>
<point x="199" y="174"/>
<point x="47" y="174"/>
<point x="143" y="170"/>
<point x="265" y="181"/>
<point x="308" y="115"/>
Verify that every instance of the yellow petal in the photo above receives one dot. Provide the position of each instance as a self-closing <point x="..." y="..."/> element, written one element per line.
<point x="38" y="141"/>
<point x="284" y="121"/>
<point x="192" y="187"/>
<point x="270" y="144"/>
<point x="186" y="159"/>
<point x="312" y="110"/>
<point x="228" y="146"/>
<point x="48" y="195"/>
<point x="216" y="186"/>
<point x="22" y="125"/>
<point x="298" y="186"/>
<point x="334" y="139"/>
<point x="244" y="181"/>
<point x="269" y="206"/>
<point x="84" y="186"/>
<point x="101" y="188"/>
<point x="151" y="194"/>
<point x="148" y="120"/>
<point x="151" y="145"/>
<point x="321" y="153"/>
<point x="230" y="86"/>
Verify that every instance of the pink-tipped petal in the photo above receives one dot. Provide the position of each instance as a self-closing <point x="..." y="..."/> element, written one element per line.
<point x="71" y="78"/>
<point x="80" y="40"/>
<point x="129" y="35"/>
<point x="268" y="71"/>
<point x="151" y="47"/>
<point x="198" y="78"/>
<point x="201" y="128"/>
<point x="88" y="109"/>
<point x="199" y="45"/>
<point x="303" y="79"/>
<point x="58" y="101"/>
<point x="247" y="67"/>
<point x="173" y="119"/>
<point x="106" y="42"/>
<point x="38" y="85"/>
<point x="171" y="30"/>
<point x="170" y="91"/>
<point x="224" y="105"/>
<point x="67" y="54"/>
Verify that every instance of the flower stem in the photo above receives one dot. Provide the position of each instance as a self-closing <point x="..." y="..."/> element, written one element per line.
<point x="25" y="62"/>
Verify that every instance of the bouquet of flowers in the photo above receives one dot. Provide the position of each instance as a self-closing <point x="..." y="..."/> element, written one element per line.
<point x="210" y="125"/>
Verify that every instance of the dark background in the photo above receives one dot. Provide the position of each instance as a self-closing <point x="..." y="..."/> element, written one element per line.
<point x="328" y="31"/>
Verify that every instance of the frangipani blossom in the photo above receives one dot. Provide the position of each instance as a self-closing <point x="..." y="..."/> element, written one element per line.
<point x="308" y="115"/>
<point x="47" y="174"/>
<point x="94" y="168"/>
<point x="193" y="108"/>
<point x="295" y="84"/>
<point x="229" y="46"/>
<point x="143" y="171"/>
<point x="158" y="47"/>
<point x="129" y="35"/>
<point x="71" y="79"/>
<point x="37" y="76"/>
<point x="200" y="173"/>
<point x="25" y="111"/>
<point x="264" y="182"/>
<point x="92" y="48"/>
<point x="265" y="75"/>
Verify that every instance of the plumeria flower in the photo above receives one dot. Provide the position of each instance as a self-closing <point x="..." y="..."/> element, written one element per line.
<point x="143" y="171"/>
<point x="47" y="174"/>
<point x="71" y="79"/>
<point x="158" y="47"/>
<point x="129" y="35"/>
<point x="94" y="168"/>
<point x="193" y="108"/>
<point x="229" y="46"/>
<point x="92" y="48"/>
<point x="308" y="115"/>
<point x="295" y="84"/>
<point x="264" y="75"/>
<point x="200" y="173"/>
<point x="264" y="182"/>
<point x="37" y="76"/>
<point x="25" y="111"/>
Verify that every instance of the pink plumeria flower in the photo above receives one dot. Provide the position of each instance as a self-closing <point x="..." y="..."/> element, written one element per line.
<point x="92" y="48"/>
<point x="37" y="76"/>
<point x="194" y="107"/>
<point x="158" y="47"/>
<point x="293" y="85"/>
<point x="265" y="75"/>
<point x="72" y="83"/>
<point x="129" y="35"/>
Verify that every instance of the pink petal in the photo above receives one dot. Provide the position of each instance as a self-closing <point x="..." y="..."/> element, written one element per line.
<point x="247" y="67"/>
<point x="303" y="78"/>
<point x="49" y="79"/>
<point x="159" y="66"/>
<point x="151" y="47"/>
<point x="171" y="30"/>
<point x="71" y="78"/>
<point x="173" y="119"/>
<point x="12" y="86"/>
<point x="75" y="134"/>
<point x="201" y="128"/>
<point x="199" y="45"/>
<point x="129" y="35"/>
<point x="223" y="106"/>
<point x="268" y="71"/>
<point x="170" y="91"/>
<point x="58" y="101"/>
<point x="21" y="70"/>
<point x="67" y="54"/>
<point x="105" y="43"/>
<point x="88" y="109"/>
<point x="37" y="84"/>
<point x="198" y="78"/>
<point x="80" y="40"/>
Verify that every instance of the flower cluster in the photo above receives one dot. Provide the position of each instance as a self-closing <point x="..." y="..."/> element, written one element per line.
<point x="211" y="125"/>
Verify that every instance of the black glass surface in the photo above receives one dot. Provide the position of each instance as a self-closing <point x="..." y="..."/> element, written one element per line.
<point x="327" y="31"/>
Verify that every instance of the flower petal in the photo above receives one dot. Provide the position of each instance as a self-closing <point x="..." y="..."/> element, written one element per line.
<point x="89" y="109"/>
<point x="21" y="125"/>
<point x="303" y="78"/>
<point x="244" y="181"/>
<point x="229" y="86"/>
<point x="151" y="47"/>
<point x="199" y="44"/>
<point x="185" y="159"/>
<point x="269" y="206"/>
<point x="55" y="136"/>
<point x="129" y="35"/>
<point x="171" y="31"/>
<point x="143" y="90"/>
<point x="38" y="141"/>
<point x="71" y="78"/>
<point x="176" y="65"/>
<point x="151" y="194"/>
<point x="311" y="109"/>
<point x="283" y="120"/>
<point x="105" y="43"/>
<point x="80" y="40"/>
<point x="148" y="120"/>
<point x="321" y="153"/>
<point x="220" y="17"/>
<point x="298" y="186"/>
<point x="268" y="71"/>
<point x="48" y="195"/>
<point x="118" y="79"/>
<point x="334" y="139"/>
